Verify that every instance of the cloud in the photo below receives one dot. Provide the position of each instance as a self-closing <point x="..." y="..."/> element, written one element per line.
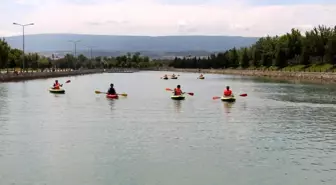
<point x="158" y="17"/>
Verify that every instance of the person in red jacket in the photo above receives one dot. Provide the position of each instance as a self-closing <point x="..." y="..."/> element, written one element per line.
<point x="178" y="91"/>
<point x="227" y="91"/>
<point x="57" y="85"/>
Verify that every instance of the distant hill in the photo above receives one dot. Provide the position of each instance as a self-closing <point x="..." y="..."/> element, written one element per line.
<point x="109" y="44"/>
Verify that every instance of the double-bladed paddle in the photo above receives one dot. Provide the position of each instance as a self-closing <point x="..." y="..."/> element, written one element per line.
<point x="99" y="92"/>
<point x="190" y="93"/>
<point x="218" y="97"/>
<point x="68" y="81"/>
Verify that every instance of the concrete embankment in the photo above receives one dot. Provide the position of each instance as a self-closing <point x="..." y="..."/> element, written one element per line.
<point x="8" y="77"/>
<point x="315" y="77"/>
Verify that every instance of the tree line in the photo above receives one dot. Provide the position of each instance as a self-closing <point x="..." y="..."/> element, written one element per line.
<point x="125" y="61"/>
<point x="314" y="47"/>
<point x="11" y="58"/>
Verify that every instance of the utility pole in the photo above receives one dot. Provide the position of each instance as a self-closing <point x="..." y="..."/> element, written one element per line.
<point x="90" y="50"/>
<point x="75" y="43"/>
<point x="23" y="41"/>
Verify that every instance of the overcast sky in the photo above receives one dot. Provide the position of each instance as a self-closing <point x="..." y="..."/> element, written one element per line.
<point x="165" y="17"/>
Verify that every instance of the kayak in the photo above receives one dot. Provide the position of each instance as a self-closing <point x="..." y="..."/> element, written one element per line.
<point x="174" y="77"/>
<point x="178" y="97"/>
<point x="112" y="96"/>
<point x="228" y="99"/>
<point x="165" y="78"/>
<point x="202" y="78"/>
<point x="57" y="91"/>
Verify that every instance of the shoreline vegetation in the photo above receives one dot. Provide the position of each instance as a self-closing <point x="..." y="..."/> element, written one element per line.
<point x="309" y="56"/>
<point x="294" y="56"/>
<point x="296" y="76"/>
<point x="12" y="77"/>
<point x="32" y="75"/>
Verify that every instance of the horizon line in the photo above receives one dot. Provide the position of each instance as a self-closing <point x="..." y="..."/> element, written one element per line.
<point x="83" y="34"/>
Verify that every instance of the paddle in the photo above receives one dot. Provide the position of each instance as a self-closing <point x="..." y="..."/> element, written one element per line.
<point x="99" y="92"/>
<point x="190" y="93"/>
<point x="218" y="97"/>
<point x="68" y="81"/>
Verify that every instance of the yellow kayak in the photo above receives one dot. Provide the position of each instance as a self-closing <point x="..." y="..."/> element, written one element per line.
<point x="228" y="98"/>
<point x="179" y="97"/>
<point x="57" y="91"/>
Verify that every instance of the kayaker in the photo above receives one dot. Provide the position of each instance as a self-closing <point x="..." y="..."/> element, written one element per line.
<point x="111" y="91"/>
<point x="56" y="85"/>
<point x="178" y="91"/>
<point x="227" y="91"/>
<point x="165" y="76"/>
<point x="173" y="75"/>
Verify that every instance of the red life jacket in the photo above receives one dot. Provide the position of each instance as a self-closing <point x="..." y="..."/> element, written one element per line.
<point x="177" y="92"/>
<point x="56" y="85"/>
<point x="227" y="92"/>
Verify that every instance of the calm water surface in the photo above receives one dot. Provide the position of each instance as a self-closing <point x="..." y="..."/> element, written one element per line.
<point x="280" y="134"/>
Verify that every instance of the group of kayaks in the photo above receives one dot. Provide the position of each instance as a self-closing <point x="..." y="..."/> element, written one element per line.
<point x="174" y="97"/>
<point x="172" y="77"/>
<point x="165" y="77"/>
<point x="62" y="91"/>
<point x="223" y="98"/>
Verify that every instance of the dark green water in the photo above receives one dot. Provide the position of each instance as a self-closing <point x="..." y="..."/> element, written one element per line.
<point x="280" y="134"/>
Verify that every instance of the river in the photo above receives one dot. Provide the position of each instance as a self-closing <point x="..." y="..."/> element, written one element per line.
<point x="280" y="134"/>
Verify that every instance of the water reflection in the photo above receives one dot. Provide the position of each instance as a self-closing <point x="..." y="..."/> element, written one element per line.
<point x="228" y="106"/>
<point x="301" y="93"/>
<point x="57" y="95"/>
<point x="177" y="106"/>
<point x="112" y="103"/>
<point x="153" y="136"/>
<point x="3" y="106"/>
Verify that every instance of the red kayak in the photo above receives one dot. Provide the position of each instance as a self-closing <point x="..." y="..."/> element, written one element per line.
<point x="112" y="96"/>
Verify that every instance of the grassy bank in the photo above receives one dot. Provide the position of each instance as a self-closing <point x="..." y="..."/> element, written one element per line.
<point x="315" y="74"/>
<point x="323" y="68"/>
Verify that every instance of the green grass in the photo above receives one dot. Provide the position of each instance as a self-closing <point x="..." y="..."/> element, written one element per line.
<point x="294" y="68"/>
<point x="321" y="68"/>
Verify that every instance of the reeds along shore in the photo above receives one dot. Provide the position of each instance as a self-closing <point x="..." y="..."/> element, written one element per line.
<point x="315" y="77"/>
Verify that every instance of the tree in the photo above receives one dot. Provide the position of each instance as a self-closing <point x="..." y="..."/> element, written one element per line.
<point x="43" y="63"/>
<point x="244" y="59"/>
<point x="317" y="46"/>
<point x="4" y="53"/>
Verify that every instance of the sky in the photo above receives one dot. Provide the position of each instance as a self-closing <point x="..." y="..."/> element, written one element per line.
<point x="165" y="17"/>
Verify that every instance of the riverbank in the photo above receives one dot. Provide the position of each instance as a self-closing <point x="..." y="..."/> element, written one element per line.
<point x="31" y="75"/>
<point x="10" y="77"/>
<point x="314" y="77"/>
